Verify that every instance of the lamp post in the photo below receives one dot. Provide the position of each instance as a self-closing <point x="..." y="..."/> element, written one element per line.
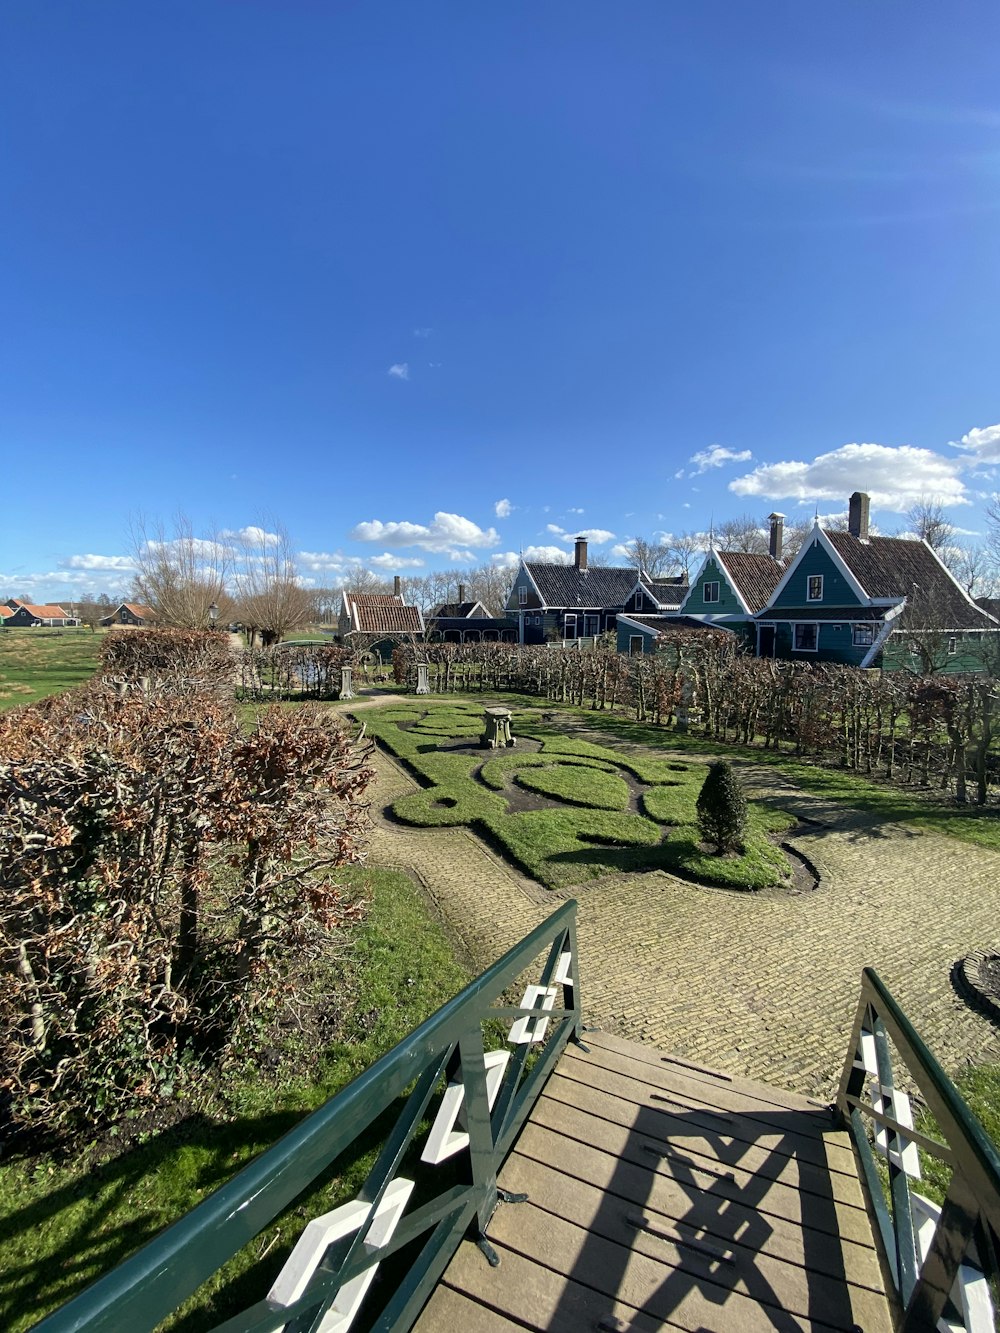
<point x="213" y="615"/>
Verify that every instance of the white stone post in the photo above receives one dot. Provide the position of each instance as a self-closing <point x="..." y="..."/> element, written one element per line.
<point x="346" y="682"/>
<point x="422" y="686"/>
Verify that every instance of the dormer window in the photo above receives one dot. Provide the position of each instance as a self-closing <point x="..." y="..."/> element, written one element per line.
<point x="522" y="595"/>
<point x="814" y="588"/>
<point x="710" y="591"/>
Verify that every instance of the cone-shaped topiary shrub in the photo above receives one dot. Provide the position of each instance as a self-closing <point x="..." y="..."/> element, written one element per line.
<point x="722" y="809"/>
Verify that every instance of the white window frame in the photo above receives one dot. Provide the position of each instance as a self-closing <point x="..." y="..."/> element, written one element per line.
<point x="804" y="625"/>
<point x="522" y="595"/>
<point x="712" y="584"/>
<point x="867" y="633"/>
<point x="634" y="645"/>
<point x="952" y="645"/>
<point x="569" y="616"/>
<point x="814" y="578"/>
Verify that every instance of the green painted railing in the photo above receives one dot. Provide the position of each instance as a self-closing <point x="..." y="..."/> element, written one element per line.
<point x="479" y="1100"/>
<point x="943" y="1260"/>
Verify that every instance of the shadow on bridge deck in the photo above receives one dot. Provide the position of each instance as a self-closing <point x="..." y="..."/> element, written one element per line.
<point x="662" y="1194"/>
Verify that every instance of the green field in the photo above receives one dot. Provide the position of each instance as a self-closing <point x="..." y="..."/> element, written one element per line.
<point x="35" y="663"/>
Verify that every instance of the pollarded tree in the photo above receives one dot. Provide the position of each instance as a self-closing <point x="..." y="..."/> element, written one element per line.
<point x="181" y="576"/>
<point x="270" y="601"/>
<point x="722" y="809"/>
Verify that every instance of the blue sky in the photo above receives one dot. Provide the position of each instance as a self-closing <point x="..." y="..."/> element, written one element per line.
<point x="370" y="269"/>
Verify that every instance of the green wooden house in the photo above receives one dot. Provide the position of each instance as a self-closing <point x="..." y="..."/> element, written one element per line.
<point x="870" y="601"/>
<point x="552" y="603"/>
<point x="732" y="586"/>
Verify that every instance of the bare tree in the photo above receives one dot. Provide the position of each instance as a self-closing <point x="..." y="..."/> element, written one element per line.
<point x="650" y="556"/>
<point x="975" y="569"/>
<point x="180" y="576"/>
<point x="927" y="520"/>
<point x="269" y="599"/>
<point x="795" y="533"/>
<point x="685" y="548"/>
<point x="743" y="533"/>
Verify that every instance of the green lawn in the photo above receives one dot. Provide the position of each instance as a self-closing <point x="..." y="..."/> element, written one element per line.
<point x="35" y="663"/>
<point x="63" y="1223"/>
<point x="570" y="810"/>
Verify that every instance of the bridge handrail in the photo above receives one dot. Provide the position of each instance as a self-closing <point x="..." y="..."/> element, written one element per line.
<point x="942" y="1261"/>
<point x="143" y="1290"/>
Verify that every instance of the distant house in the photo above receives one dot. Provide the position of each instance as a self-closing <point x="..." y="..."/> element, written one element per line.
<point x="567" y="602"/>
<point x="378" y="622"/>
<point x="732" y="586"/>
<point x="865" y="601"/>
<point x="130" y="613"/>
<point x="650" y="634"/>
<point x="467" y="622"/>
<point x="654" y="597"/>
<point x="19" y="614"/>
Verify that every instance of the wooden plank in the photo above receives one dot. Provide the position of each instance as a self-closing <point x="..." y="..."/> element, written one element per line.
<point x="689" y="1297"/>
<point x="744" y="1161"/>
<point x="530" y="1296"/>
<point x="752" y="1268"/>
<point x="696" y="1192"/>
<point x="727" y="1097"/>
<point x="668" y="1115"/>
<point x="636" y="1050"/>
<point x="631" y="1190"/>
<point x="448" y="1311"/>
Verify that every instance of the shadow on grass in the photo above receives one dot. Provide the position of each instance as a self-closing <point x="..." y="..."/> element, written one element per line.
<point x="104" y="1222"/>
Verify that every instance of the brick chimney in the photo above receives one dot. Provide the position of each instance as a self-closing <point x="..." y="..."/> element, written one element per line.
<point x="580" y="554"/>
<point x="857" y="515"/>
<point x="777" y="537"/>
<point x="397" y="586"/>
<point x="461" y="593"/>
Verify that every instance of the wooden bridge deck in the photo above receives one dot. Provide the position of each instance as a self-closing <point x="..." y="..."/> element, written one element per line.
<point x="665" y="1195"/>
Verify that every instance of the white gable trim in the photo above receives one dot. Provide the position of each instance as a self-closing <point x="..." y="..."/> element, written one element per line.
<point x="544" y="604"/>
<point x="887" y="627"/>
<point x="711" y="554"/>
<point x="819" y="535"/>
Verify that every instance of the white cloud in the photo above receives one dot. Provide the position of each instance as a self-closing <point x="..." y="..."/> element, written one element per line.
<point x="895" y="477"/>
<point x="575" y="511"/>
<point x="424" y="331"/>
<point x="548" y="555"/>
<point x="502" y="508"/>
<point x="983" y="442"/>
<point x="325" y="562"/>
<point x="251" y="535"/>
<point x="110" y="562"/>
<point x="390" y="561"/>
<point x="715" y="456"/>
<point x="444" y="534"/>
<point x="555" y="529"/>
<point x="597" y="536"/>
<point x="623" y="552"/>
<point x="62" y="585"/>
<point x="399" y="371"/>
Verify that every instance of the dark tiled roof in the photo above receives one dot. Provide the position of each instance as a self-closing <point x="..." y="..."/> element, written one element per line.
<point x="991" y="605"/>
<point x="898" y="567"/>
<point x="668" y="592"/>
<point x="455" y="609"/>
<point x="667" y="623"/>
<point x="755" y="577"/>
<point x="601" y="587"/>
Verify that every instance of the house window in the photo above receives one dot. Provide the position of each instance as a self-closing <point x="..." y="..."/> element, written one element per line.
<point x="952" y="646"/>
<point x="806" y="638"/>
<point x="569" y="632"/>
<point x="864" y="636"/>
<point x="522" y="596"/>
<point x="814" y="590"/>
<point x="710" y="591"/>
<point x="634" y="645"/>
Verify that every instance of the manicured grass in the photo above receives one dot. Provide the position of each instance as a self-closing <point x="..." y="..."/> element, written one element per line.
<point x="586" y="832"/>
<point x="64" y="1223"/>
<point x="577" y="785"/>
<point x="35" y="663"/>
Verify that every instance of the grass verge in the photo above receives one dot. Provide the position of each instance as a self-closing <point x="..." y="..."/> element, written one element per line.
<point x="64" y="1223"/>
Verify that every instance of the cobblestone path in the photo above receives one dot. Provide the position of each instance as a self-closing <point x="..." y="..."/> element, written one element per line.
<point x="759" y="985"/>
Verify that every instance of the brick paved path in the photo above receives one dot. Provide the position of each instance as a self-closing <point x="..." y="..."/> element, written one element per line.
<point x="760" y="985"/>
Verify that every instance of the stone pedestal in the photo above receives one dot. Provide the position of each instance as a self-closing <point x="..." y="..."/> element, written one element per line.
<point x="422" y="685"/>
<point x="346" y="682"/>
<point x="497" y="733"/>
